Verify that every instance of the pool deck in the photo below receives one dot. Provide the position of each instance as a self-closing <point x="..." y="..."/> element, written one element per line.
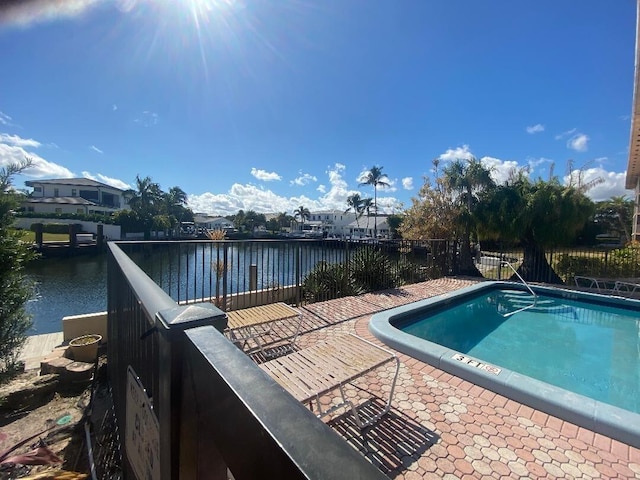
<point x="441" y="426"/>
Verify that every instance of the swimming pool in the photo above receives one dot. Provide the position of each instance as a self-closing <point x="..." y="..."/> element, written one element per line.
<point x="571" y="354"/>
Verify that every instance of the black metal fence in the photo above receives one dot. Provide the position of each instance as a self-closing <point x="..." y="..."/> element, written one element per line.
<point x="566" y="262"/>
<point x="190" y="404"/>
<point x="236" y="274"/>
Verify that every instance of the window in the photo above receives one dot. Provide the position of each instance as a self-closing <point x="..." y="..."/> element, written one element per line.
<point x="56" y="193"/>
<point x="74" y="192"/>
<point x="79" y="210"/>
<point x="31" y="209"/>
<point x="37" y="189"/>
<point x="58" y="209"/>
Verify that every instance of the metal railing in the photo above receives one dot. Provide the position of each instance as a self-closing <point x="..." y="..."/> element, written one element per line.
<point x="566" y="263"/>
<point x="206" y="407"/>
<point x="235" y="274"/>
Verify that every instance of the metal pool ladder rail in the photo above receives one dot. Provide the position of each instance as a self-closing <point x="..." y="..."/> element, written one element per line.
<point x="535" y="296"/>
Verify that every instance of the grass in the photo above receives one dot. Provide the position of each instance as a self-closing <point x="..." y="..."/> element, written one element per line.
<point x="30" y="237"/>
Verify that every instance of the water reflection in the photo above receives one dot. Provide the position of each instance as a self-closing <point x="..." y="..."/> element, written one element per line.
<point x="66" y="286"/>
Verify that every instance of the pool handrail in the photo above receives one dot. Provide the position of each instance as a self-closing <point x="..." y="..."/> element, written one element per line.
<point x="535" y="296"/>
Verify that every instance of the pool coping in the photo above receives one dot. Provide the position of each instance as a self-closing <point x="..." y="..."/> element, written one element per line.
<point x="580" y="410"/>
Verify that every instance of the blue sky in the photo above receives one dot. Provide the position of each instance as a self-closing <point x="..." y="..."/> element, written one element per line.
<point x="268" y="105"/>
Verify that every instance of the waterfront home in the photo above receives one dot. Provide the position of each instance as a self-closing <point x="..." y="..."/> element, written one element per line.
<point x="74" y="195"/>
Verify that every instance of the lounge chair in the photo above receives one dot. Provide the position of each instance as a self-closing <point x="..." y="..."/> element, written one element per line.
<point x="599" y="284"/>
<point x="330" y="365"/>
<point x="278" y="321"/>
<point x="616" y="286"/>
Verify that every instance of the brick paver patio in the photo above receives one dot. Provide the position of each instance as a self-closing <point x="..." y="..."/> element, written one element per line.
<point x="441" y="426"/>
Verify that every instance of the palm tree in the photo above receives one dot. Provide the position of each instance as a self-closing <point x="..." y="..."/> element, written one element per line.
<point x="354" y="202"/>
<point x="303" y="213"/>
<point x="175" y="201"/>
<point x="367" y="207"/>
<point x="376" y="178"/>
<point x="466" y="179"/>
<point x="145" y="200"/>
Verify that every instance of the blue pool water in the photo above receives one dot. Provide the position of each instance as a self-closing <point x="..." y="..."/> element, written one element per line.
<point x="585" y="347"/>
<point x="574" y="355"/>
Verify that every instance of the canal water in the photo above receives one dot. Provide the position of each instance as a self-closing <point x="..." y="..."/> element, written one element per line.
<point x="78" y="284"/>
<point x="66" y="286"/>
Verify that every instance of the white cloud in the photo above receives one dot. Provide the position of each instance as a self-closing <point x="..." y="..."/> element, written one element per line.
<point x="500" y="169"/>
<point x="114" y="107"/>
<point x="18" y="141"/>
<point x="578" y="142"/>
<point x="5" y="119"/>
<point x="33" y="11"/>
<point x="459" y="153"/>
<point x="612" y="185"/>
<point x="407" y="183"/>
<point x="147" y="119"/>
<point x="562" y="135"/>
<point x="96" y="149"/>
<point x="264" y="175"/>
<point x="303" y="179"/>
<point x="537" y="128"/>
<point x="251" y="197"/>
<point x="41" y="168"/>
<point x="114" y="182"/>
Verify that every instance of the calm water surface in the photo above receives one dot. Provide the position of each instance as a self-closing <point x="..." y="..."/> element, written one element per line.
<point x="66" y="286"/>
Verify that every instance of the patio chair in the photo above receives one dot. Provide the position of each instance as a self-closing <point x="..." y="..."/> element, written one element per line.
<point x="330" y="365"/>
<point x="278" y="321"/>
<point x="601" y="285"/>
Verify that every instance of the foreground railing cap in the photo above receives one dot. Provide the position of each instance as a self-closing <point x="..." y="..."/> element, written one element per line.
<point x="189" y="316"/>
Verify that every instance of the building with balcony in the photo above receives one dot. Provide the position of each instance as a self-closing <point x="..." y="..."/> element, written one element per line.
<point x="74" y="195"/>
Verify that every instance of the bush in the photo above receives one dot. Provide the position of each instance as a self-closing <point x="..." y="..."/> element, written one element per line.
<point x="368" y="270"/>
<point x="15" y="291"/>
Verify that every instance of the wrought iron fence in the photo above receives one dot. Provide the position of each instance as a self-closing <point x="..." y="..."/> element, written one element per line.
<point x="191" y="404"/>
<point x="565" y="262"/>
<point x="236" y="274"/>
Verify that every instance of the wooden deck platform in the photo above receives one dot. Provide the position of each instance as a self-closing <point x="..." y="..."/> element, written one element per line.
<point x="38" y="346"/>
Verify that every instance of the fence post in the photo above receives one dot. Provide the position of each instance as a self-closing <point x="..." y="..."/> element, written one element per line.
<point x="171" y="325"/>
<point x="253" y="277"/>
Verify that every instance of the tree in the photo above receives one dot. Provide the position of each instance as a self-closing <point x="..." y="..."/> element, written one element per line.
<point x="394" y="222"/>
<point x="303" y="213"/>
<point x="615" y="216"/>
<point x="145" y="201"/>
<point x="376" y="178"/>
<point x="538" y="214"/>
<point x="367" y="207"/>
<point x="284" y="219"/>
<point x="15" y="291"/>
<point x="175" y="207"/>
<point x="354" y="202"/>
<point x="466" y="179"/>
<point x="433" y="213"/>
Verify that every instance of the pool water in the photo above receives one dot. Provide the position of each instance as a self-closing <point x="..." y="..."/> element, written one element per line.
<point x="587" y="348"/>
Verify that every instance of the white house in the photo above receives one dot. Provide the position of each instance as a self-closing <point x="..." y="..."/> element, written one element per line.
<point x="209" y="222"/>
<point x="74" y="195"/>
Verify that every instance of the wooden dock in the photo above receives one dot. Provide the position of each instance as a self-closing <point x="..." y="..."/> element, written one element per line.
<point x="39" y="346"/>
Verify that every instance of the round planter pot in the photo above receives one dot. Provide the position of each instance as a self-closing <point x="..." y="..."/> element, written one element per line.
<point x="85" y="348"/>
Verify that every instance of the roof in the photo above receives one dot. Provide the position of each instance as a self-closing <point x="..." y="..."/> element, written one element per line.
<point x="79" y="182"/>
<point x="633" y="167"/>
<point x="61" y="201"/>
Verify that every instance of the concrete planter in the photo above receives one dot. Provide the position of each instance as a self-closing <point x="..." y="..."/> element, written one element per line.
<point x="85" y="348"/>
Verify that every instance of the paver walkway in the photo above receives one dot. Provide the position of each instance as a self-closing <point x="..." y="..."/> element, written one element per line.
<point x="441" y="426"/>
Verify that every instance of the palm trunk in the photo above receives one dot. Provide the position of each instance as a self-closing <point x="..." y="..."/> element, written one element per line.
<point x="535" y="267"/>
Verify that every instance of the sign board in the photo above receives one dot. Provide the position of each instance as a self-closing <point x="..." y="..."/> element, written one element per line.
<point x="142" y="441"/>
